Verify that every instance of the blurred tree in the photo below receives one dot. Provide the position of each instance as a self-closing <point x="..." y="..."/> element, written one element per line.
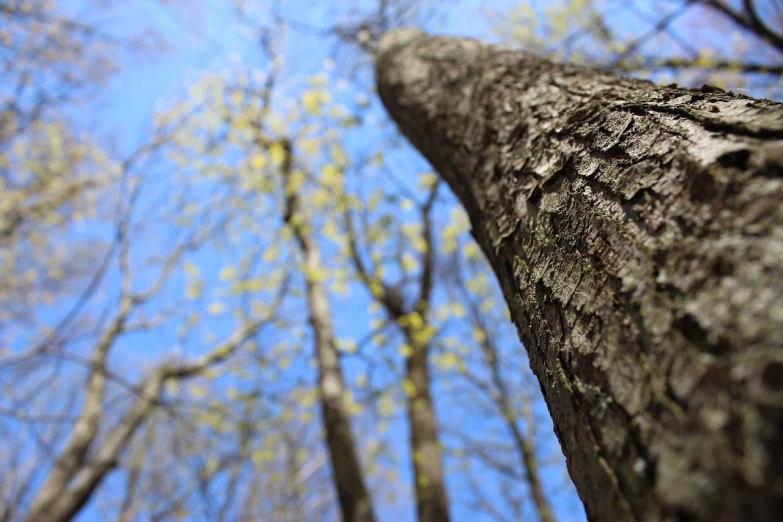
<point x="349" y="479"/>
<point x="86" y="273"/>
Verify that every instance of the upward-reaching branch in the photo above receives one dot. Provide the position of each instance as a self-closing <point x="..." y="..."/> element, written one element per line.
<point x="72" y="457"/>
<point x="748" y="19"/>
<point x="65" y="494"/>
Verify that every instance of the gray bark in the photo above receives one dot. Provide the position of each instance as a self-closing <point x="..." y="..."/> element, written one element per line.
<point x="637" y="234"/>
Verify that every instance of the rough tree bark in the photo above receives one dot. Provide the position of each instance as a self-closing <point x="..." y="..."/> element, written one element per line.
<point x="637" y="233"/>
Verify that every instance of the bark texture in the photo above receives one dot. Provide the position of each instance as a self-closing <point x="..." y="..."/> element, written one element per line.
<point x="637" y="233"/>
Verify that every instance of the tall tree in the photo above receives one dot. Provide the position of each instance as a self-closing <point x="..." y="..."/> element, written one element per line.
<point x="431" y="499"/>
<point x="349" y="481"/>
<point x="636" y="233"/>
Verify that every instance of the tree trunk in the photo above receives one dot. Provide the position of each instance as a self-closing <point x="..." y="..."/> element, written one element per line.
<point x="431" y="500"/>
<point x="349" y="481"/>
<point x="637" y="234"/>
<point x="355" y="502"/>
<point x="432" y="504"/>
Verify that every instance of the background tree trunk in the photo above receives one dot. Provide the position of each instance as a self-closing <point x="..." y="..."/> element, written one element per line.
<point x="432" y="504"/>
<point x="637" y="234"/>
<point x="349" y="480"/>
